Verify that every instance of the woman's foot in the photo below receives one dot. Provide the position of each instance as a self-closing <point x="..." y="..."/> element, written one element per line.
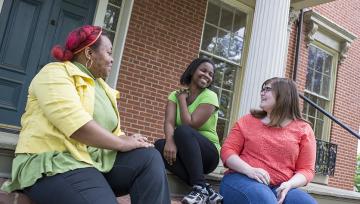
<point x="198" y="195"/>
<point x="214" y="198"/>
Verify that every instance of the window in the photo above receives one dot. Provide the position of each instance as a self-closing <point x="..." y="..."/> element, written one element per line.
<point x="112" y="17"/>
<point x="223" y="42"/>
<point x="318" y="88"/>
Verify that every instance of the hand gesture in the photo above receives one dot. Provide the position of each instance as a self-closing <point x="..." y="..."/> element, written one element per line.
<point x="182" y="93"/>
<point x="281" y="191"/>
<point x="170" y="151"/>
<point x="133" y="142"/>
<point x="260" y="175"/>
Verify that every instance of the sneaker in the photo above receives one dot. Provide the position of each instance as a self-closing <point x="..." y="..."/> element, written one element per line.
<point x="198" y="195"/>
<point x="214" y="198"/>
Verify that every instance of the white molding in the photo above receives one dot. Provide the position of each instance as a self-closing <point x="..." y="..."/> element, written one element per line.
<point x="328" y="33"/>
<point x="300" y="4"/>
<point x="1" y="4"/>
<point x="100" y="12"/>
<point x="8" y="140"/>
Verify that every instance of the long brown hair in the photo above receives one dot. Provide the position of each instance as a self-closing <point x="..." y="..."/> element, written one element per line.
<point x="286" y="101"/>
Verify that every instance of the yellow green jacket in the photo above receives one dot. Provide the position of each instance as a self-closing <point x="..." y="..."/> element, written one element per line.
<point x="61" y="100"/>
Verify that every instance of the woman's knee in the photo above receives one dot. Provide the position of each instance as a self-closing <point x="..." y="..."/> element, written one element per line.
<point x="183" y="132"/>
<point x="238" y="188"/>
<point x="152" y="156"/>
<point x="297" y="196"/>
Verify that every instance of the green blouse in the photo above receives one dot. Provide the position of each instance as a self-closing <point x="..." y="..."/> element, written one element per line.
<point x="27" y="168"/>
<point x="208" y="129"/>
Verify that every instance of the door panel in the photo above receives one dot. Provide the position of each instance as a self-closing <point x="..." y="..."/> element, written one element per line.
<point x="28" y="30"/>
<point x="21" y="28"/>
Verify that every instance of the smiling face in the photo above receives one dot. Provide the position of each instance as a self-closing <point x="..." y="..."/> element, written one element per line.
<point x="102" y="58"/>
<point x="268" y="100"/>
<point x="203" y="75"/>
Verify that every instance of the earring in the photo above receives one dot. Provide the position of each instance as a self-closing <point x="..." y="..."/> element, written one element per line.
<point x="87" y="62"/>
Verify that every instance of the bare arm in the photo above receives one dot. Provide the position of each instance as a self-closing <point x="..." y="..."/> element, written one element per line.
<point x="196" y="119"/>
<point x="170" y="149"/>
<point x="94" y="135"/>
<point x="235" y="163"/>
<point x="170" y="118"/>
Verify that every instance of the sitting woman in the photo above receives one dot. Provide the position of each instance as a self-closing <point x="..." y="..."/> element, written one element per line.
<point x="270" y="152"/>
<point x="191" y="147"/>
<point x="71" y="148"/>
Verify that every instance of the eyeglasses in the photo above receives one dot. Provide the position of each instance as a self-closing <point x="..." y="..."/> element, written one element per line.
<point x="265" y="89"/>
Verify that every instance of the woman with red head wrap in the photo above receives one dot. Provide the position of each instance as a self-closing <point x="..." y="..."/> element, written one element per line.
<point x="71" y="148"/>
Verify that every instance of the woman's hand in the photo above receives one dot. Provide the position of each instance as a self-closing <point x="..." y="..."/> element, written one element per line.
<point x="170" y="151"/>
<point x="182" y="93"/>
<point x="258" y="174"/>
<point x="139" y="137"/>
<point x="281" y="191"/>
<point x="133" y="142"/>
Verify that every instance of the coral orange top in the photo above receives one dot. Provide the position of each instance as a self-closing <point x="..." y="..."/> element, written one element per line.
<point x="282" y="152"/>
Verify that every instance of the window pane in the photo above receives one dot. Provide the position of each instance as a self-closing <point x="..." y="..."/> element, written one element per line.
<point x="235" y="49"/>
<point x="222" y="45"/>
<point x="325" y="86"/>
<point x="209" y="38"/>
<point x="225" y="102"/>
<point x="229" y="78"/>
<point x="312" y="111"/>
<point x="311" y="57"/>
<point x="328" y="65"/>
<point x="239" y="24"/>
<point x="318" y="130"/>
<point x="309" y="77"/>
<point x="226" y="19"/>
<point x="219" y="72"/>
<point x="317" y="82"/>
<point x="111" y="17"/>
<point x="213" y="13"/>
<point x="319" y="62"/>
<point x="220" y="129"/>
<point x="116" y="2"/>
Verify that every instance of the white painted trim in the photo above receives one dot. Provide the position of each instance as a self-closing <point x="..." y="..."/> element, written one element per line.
<point x="100" y="12"/>
<point x="1" y="3"/>
<point x="119" y="40"/>
<point x="8" y="140"/>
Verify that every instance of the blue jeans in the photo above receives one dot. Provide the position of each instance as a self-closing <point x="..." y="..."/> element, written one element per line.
<point x="238" y="188"/>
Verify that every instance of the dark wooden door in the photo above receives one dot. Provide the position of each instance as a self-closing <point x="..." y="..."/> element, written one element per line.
<point x="28" y="30"/>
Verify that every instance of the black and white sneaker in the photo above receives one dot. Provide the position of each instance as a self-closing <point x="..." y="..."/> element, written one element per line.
<point x="214" y="198"/>
<point x="198" y="195"/>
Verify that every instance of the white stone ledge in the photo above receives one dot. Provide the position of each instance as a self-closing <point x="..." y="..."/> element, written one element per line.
<point x="322" y="190"/>
<point x="8" y="140"/>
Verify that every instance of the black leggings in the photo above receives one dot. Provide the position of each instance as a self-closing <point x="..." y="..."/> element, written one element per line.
<point x="196" y="155"/>
<point x="136" y="172"/>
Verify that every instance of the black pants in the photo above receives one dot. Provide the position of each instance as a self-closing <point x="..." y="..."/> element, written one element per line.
<point x="139" y="172"/>
<point x="196" y="155"/>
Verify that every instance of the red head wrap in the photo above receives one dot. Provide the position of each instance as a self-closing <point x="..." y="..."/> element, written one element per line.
<point x="76" y="41"/>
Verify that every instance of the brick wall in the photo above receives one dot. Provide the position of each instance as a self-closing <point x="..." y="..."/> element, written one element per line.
<point x="347" y="94"/>
<point x="163" y="38"/>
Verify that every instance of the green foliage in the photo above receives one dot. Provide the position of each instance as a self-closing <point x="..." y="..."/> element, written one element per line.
<point x="357" y="176"/>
